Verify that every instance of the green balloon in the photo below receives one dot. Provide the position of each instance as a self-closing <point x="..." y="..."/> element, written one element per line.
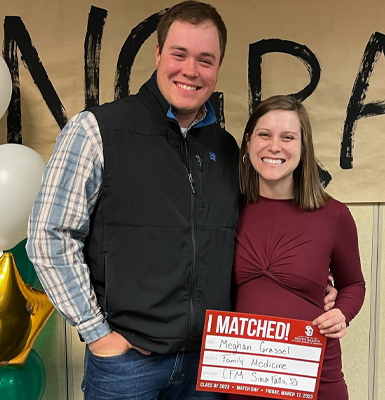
<point x="25" y="266"/>
<point x="23" y="383"/>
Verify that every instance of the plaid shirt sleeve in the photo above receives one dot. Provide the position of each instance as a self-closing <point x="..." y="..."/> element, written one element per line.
<point x="60" y="222"/>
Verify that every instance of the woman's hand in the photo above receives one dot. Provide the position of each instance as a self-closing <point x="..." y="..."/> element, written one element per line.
<point x="113" y="344"/>
<point x="331" y="324"/>
<point x="330" y="294"/>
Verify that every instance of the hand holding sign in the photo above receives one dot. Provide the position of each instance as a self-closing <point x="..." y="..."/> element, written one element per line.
<point x="332" y="324"/>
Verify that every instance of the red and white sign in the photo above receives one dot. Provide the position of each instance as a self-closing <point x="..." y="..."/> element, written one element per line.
<point x="259" y="355"/>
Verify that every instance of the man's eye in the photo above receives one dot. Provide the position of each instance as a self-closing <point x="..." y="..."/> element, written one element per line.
<point x="208" y="62"/>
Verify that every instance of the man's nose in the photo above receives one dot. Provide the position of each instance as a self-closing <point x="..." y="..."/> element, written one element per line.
<point x="190" y="68"/>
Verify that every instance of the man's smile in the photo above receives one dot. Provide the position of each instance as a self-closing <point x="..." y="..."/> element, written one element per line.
<point x="186" y="87"/>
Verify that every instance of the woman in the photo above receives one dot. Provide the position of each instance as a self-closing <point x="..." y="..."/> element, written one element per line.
<point x="291" y="232"/>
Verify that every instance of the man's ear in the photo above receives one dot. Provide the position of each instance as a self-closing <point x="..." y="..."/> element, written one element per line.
<point x="157" y="54"/>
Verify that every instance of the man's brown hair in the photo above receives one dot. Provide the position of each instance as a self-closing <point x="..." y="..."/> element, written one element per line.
<point x="195" y="13"/>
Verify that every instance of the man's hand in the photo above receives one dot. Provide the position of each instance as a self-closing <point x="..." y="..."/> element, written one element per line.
<point x="113" y="344"/>
<point x="331" y="324"/>
<point x="331" y="294"/>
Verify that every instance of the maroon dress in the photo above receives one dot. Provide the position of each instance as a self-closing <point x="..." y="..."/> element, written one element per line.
<point x="282" y="260"/>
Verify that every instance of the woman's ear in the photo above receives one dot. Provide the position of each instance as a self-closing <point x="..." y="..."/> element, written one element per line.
<point x="247" y="140"/>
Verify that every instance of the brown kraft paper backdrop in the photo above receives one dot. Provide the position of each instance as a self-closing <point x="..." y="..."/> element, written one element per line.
<point x="334" y="36"/>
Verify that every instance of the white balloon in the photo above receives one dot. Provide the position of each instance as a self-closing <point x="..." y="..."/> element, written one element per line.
<point x="21" y="171"/>
<point x="5" y="86"/>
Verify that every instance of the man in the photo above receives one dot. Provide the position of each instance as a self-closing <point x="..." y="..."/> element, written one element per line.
<point x="158" y="178"/>
<point x="132" y="231"/>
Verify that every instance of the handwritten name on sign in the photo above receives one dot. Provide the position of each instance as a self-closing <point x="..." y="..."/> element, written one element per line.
<point x="260" y="355"/>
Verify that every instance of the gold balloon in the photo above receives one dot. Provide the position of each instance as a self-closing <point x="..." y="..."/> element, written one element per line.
<point x="23" y="313"/>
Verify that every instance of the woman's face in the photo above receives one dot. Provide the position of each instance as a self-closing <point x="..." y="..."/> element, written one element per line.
<point x="275" y="149"/>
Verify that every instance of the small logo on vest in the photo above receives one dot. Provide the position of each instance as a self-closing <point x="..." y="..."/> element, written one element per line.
<point x="212" y="156"/>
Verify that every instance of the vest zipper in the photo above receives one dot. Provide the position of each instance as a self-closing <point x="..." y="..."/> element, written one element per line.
<point x="199" y="161"/>
<point x="192" y="183"/>
<point x="194" y="266"/>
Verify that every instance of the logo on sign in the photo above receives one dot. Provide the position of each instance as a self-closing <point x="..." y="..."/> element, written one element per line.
<point x="309" y="330"/>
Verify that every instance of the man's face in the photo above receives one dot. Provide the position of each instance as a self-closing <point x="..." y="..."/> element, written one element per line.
<point x="188" y="67"/>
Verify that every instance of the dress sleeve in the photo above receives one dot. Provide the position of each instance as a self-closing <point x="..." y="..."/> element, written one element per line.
<point x="346" y="266"/>
<point x="60" y="221"/>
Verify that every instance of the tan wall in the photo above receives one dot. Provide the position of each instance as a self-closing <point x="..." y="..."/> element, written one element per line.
<point x="355" y="346"/>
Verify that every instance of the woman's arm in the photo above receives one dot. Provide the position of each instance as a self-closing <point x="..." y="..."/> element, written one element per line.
<point x="349" y="281"/>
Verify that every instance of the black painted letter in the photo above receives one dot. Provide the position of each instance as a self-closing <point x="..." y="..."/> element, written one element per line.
<point x="92" y="48"/>
<point x="303" y="53"/>
<point x="16" y="35"/>
<point x="356" y="107"/>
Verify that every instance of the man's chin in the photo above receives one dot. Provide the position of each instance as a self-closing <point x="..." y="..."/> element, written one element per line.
<point x="185" y="111"/>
